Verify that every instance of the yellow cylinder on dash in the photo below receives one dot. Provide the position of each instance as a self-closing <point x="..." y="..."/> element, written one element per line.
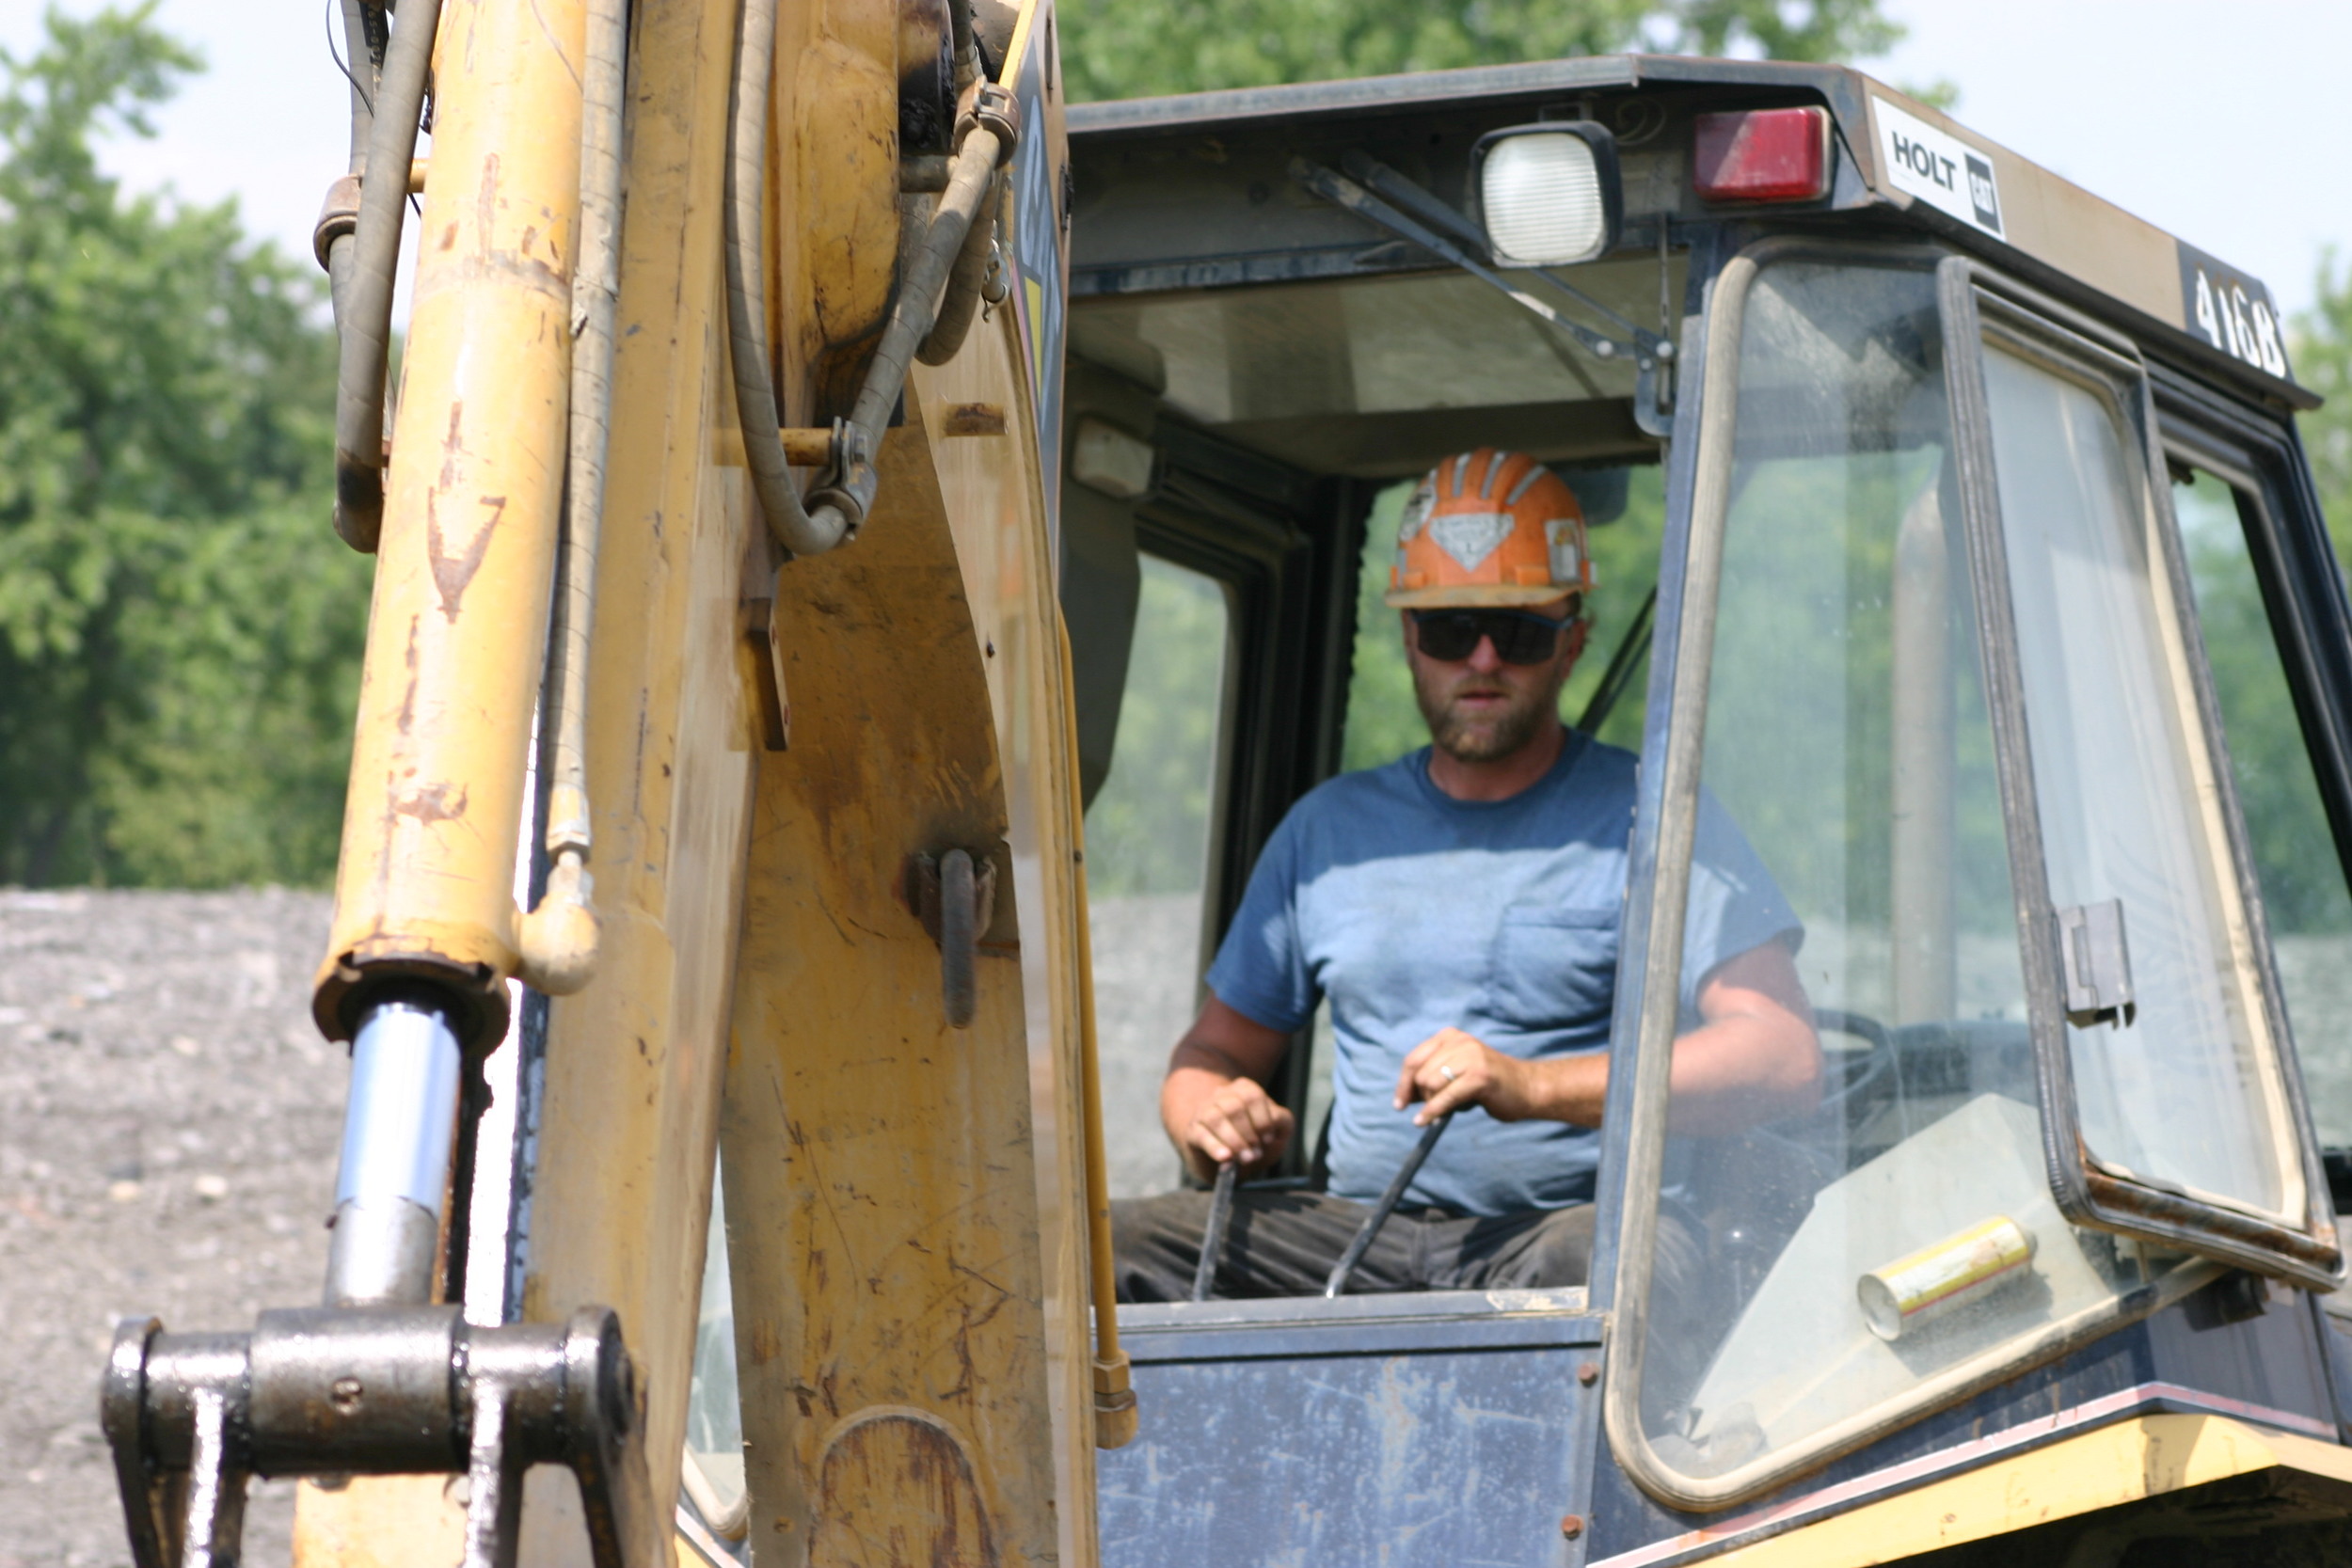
<point x="1939" y="1279"/>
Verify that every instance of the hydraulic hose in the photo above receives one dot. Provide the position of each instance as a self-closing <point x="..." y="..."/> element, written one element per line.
<point x="558" y="938"/>
<point x="363" y="52"/>
<point x="987" y="142"/>
<point x="366" y="321"/>
<point x="834" y="510"/>
<point x="962" y="301"/>
<point x="967" y="62"/>
<point x="793" y="523"/>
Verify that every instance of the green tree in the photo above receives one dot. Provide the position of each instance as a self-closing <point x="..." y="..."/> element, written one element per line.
<point x="2323" y="362"/>
<point x="1137" y="48"/>
<point x="179" y="629"/>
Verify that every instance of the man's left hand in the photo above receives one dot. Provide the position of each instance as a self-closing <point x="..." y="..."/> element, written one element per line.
<point x="1453" y="1068"/>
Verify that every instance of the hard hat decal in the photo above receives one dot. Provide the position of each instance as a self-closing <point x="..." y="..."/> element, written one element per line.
<point x="1470" y="537"/>
<point x="1416" y="512"/>
<point x="1562" y="536"/>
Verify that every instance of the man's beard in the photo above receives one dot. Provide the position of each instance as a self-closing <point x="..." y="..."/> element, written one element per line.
<point x="1483" y="740"/>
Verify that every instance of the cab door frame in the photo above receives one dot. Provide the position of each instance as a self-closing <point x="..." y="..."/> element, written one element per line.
<point x="1699" y="474"/>
<point x="1981" y="305"/>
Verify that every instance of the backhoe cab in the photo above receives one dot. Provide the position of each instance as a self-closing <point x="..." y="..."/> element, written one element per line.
<point x="1990" y="600"/>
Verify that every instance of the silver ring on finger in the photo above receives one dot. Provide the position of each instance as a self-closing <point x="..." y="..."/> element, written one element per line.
<point x="1448" y="1069"/>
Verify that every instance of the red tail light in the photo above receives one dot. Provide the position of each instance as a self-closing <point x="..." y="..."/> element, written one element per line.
<point x="1763" y="155"/>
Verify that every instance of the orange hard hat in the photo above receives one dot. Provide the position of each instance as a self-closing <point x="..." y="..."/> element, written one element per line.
<point x="1489" y="528"/>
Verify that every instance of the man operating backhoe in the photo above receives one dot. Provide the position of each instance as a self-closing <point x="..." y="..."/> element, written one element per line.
<point x="1460" y="909"/>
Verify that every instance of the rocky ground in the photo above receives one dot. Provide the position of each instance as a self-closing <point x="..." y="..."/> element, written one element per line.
<point x="168" y="1119"/>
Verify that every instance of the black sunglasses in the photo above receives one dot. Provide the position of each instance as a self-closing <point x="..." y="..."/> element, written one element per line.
<point x="1520" y="636"/>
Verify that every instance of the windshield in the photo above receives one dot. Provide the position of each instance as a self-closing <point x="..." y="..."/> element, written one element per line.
<point x="1899" y="1234"/>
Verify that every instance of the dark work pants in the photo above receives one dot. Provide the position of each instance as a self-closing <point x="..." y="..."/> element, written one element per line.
<point x="1284" y="1241"/>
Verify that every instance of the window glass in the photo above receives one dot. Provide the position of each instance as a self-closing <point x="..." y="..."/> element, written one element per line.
<point x="2304" y="898"/>
<point x="2181" y="1091"/>
<point x="1804" y="1249"/>
<point x="1146" y="836"/>
<point x="714" y="1419"/>
<point x="1367" y="345"/>
<point x="1383" y="722"/>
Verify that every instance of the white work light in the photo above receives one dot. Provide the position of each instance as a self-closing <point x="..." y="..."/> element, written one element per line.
<point x="1549" y="192"/>
<point x="1107" y="458"/>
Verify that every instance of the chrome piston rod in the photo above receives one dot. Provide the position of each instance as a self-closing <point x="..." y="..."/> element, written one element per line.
<point x="398" y="1130"/>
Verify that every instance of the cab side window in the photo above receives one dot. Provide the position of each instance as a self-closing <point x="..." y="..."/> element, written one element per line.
<point x="1148" y="836"/>
<point x="2304" y="895"/>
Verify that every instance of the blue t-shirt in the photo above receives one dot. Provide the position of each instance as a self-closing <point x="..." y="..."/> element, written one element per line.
<point x="1413" y="910"/>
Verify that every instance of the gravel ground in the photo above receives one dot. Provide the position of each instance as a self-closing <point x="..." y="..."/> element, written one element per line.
<point x="1145" y="996"/>
<point x="1145" y="992"/>
<point x="168" y="1119"/>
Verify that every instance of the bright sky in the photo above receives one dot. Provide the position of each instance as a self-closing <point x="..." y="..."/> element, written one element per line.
<point x="2222" y="120"/>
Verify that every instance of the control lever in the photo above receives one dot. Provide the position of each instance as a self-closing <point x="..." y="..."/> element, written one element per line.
<point x="1213" y="1234"/>
<point x="371" y="1390"/>
<point x="1361" y="1244"/>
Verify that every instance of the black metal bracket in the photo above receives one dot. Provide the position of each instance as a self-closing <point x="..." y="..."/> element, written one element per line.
<point x="2095" y="965"/>
<point x="373" y="1390"/>
<point x="954" y="894"/>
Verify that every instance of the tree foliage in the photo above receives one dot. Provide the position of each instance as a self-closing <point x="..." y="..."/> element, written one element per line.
<point x="2323" y="362"/>
<point x="1135" y="48"/>
<point x="179" y="630"/>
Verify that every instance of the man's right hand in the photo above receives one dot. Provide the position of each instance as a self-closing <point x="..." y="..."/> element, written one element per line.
<point x="1213" y="1102"/>
<point x="1238" y="1121"/>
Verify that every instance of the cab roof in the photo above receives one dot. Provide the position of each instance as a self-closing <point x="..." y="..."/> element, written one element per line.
<point x="1192" y="192"/>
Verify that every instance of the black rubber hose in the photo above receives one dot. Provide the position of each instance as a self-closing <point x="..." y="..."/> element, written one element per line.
<point x="366" y="322"/>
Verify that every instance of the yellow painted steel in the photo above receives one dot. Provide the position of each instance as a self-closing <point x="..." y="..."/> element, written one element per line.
<point x="909" y="1201"/>
<point x="996" y="508"/>
<point x="911" y="1299"/>
<point x="888" y="1283"/>
<point x="634" y="1063"/>
<point x="1115" y="1414"/>
<point x="458" y="629"/>
<point x="2149" y="1456"/>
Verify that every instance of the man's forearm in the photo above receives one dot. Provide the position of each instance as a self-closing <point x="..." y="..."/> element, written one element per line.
<point x="1741" y="1066"/>
<point x="1741" y="1069"/>
<point x="1567" y="1089"/>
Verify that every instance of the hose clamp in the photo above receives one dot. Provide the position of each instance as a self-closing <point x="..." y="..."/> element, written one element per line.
<point x="339" y="215"/>
<point x="849" y="483"/>
<point x="988" y="106"/>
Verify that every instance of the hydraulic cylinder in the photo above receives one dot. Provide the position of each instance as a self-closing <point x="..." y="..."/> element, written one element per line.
<point x="458" y="628"/>
<point x="398" y="1128"/>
